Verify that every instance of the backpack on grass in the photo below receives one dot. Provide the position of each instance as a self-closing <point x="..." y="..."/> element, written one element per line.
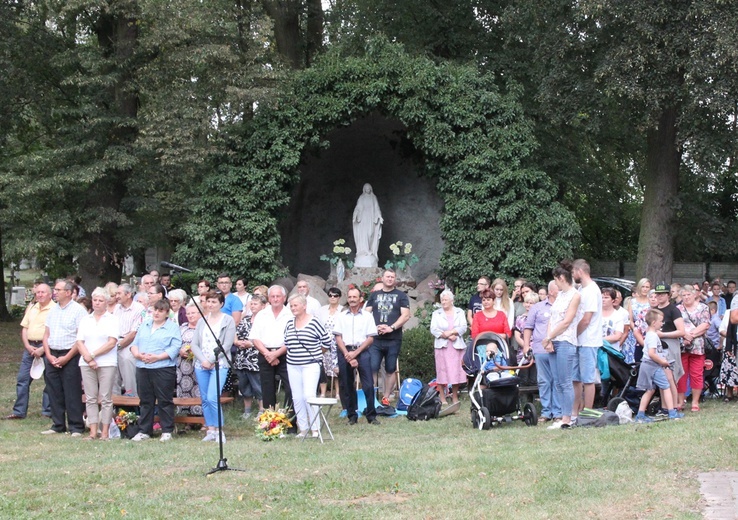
<point x="408" y="390"/>
<point x="425" y="405"/>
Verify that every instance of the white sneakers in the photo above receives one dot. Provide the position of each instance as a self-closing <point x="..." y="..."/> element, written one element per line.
<point x="165" y="437"/>
<point x="212" y="436"/>
<point x="140" y="436"/>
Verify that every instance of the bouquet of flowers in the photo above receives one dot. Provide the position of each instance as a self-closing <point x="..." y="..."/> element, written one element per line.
<point x="190" y="354"/>
<point x="124" y="419"/>
<point x="402" y="256"/>
<point x="340" y="252"/>
<point x="272" y="424"/>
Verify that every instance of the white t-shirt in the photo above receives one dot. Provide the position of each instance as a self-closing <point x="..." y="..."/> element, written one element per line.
<point x="95" y="333"/>
<point x="625" y="317"/>
<point x="591" y="301"/>
<point x="611" y="324"/>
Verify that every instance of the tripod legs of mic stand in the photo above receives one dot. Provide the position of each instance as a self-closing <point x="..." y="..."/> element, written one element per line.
<point x="223" y="462"/>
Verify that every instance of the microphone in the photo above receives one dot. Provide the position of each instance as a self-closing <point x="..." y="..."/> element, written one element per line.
<point x="175" y="267"/>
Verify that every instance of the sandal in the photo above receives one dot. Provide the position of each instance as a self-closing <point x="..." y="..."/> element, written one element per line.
<point x="695" y="408"/>
<point x="90" y="438"/>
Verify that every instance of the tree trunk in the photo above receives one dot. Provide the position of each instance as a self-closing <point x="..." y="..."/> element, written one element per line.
<point x="4" y="314"/>
<point x="656" y="240"/>
<point x="286" y="17"/>
<point x="117" y="36"/>
<point x="314" y="36"/>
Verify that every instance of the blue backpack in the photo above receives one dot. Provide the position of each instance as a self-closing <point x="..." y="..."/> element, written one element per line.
<point x="409" y="388"/>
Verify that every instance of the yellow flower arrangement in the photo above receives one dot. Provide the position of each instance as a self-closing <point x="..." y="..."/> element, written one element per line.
<point x="272" y="424"/>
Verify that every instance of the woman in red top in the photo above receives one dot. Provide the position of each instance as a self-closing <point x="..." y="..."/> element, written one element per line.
<point x="489" y="319"/>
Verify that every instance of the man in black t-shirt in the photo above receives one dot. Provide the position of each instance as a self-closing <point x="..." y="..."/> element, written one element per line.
<point x="391" y="309"/>
<point x="475" y="303"/>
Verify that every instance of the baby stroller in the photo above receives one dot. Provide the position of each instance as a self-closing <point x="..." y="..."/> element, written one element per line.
<point x="620" y="386"/>
<point x="712" y="387"/>
<point x="494" y="392"/>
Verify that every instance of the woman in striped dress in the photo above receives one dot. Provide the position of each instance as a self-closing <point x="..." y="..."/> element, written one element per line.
<point x="305" y="339"/>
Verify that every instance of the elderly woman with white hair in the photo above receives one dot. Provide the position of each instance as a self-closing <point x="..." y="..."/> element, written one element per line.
<point x="97" y="337"/>
<point x="178" y="301"/>
<point x="305" y="339"/>
<point x="448" y="325"/>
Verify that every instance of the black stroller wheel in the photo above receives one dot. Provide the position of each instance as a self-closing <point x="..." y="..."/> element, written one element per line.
<point x="613" y="403"/>
<point x="487" y="423"/>
<point x="530" y="415"/>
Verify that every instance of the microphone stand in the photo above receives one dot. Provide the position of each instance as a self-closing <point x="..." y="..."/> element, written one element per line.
<point x="222" y="461"/>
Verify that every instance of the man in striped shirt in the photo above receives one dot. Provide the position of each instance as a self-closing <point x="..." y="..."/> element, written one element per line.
<point x="129" y="314"/>
<point x="62" y="374"/>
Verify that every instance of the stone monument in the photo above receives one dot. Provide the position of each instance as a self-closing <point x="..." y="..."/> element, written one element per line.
<point x="367" y="223"/>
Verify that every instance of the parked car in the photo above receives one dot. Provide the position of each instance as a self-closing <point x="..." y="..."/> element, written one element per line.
<point x="624" y="286"/>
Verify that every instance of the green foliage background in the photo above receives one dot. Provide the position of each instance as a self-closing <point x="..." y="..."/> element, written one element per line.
<point x="472" y="136"/>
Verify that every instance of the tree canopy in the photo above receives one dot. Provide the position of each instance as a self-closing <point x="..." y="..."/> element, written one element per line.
<point x="118" y="116"/>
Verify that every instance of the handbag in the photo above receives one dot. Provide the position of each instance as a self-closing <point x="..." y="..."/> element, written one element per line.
<point x="708" y="346"/>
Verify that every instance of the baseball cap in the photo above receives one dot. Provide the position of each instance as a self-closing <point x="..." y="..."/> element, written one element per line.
<point x="662" y="288"/>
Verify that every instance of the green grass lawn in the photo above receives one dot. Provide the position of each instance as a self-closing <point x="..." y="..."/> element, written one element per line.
<point x="438" y="469"/>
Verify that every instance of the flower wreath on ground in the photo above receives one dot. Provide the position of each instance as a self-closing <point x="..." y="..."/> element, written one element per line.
<point x="272" y="424"/>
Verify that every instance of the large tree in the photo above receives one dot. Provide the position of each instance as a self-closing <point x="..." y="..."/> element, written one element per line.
<point x="122" y="105"/>
<point x="651" y="70"/>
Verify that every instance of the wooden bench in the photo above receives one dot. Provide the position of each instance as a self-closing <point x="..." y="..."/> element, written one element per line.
<point x="123" y="400"/>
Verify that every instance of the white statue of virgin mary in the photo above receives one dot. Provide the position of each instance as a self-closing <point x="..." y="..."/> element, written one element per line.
<point x="367" y="222"/>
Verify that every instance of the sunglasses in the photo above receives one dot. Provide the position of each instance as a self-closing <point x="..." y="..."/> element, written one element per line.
<point x="333" y="296"/>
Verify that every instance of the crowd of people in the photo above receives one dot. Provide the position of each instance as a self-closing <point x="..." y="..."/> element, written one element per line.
<point x="150" y="342"/>
<point x="668" y="328"/>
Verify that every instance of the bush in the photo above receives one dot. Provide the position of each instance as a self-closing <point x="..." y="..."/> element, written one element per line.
<point x="416" y="357"/>
<point x="17" y="311"/>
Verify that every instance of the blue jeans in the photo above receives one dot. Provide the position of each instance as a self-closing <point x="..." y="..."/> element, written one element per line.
<point x="546" y="364"/>
<point x="23" y="389"/>
<point x="564" y="353"/>
<point x="209" y="394"/>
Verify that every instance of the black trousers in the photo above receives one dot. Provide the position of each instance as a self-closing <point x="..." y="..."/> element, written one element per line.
<point x="65" y="392"/>
<point x="346" y="381"/>
<point x="268" y="375"/>
<point x="156" y="385"/>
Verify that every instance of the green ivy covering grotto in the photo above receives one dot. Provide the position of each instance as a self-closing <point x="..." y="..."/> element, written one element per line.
<point x="499" y="217"/>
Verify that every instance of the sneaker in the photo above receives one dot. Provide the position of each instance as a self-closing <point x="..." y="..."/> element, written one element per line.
<point x="301" y="435"/>
<point x="567" y="426"/>
<point x="663" y="412"/>
<point x="246" y="416"/>
<point x="49" y="432"/>
<point x="215" y="437"/>
<point x="315" y="434"/>
<point x="352" y="421"/>
<point x="343" y="414"/>
<point x="76" y="434"/>
<point x="374" y="422"/>
<point x="673" y="414"/>
<point x="210" y="436"/>
<point x="642" y="418"/>
<point x="385" y="401"/>
<point x="573" y="421"/>
<point x="140" y="436"/>
<point x="555" y="426"/>
<point x="165" y="437"/>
